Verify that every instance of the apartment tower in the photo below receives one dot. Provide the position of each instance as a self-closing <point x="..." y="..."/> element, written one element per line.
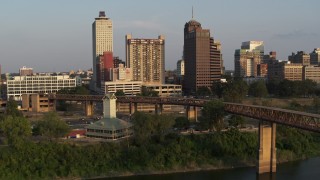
<point x="145" y="57"/>
<point x="102" y="41"/>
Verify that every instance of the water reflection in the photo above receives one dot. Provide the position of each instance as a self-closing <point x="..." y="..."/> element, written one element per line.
<point x="266" y="176"/>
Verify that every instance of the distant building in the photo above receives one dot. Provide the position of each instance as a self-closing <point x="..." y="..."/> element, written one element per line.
<point x="300" y="58"/>
<point x="146" y="58"/>
<point x="272" y="56"/>
<point x="121" y="73"/>
<point x="18" y="85"/>
<point x="24" y="71"/>
<point x="202" y="58"/>
<point x="102" y="41"/>
<point x="117" y="61"/>
<point x="262" y="70"/>
<point x="110" y="127"/>
<point x="312" y="73"/>
<point x="247" y="58"/>
<point x="285" y="70"/>
<point x="315" y="57"/>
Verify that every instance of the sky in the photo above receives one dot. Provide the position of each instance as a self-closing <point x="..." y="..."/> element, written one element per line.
<point x="56" y="36"/>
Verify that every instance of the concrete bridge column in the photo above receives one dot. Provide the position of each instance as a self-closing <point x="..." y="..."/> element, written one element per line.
<point x="133" y="107"/>
<point x="192" y="113"/>
<point x="158" y="108"/>
<point x="267" y="160"/>
<point x="89" y="108"/>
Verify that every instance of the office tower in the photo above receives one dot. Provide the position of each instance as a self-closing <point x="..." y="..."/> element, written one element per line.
<point x="117" y="61"/>
<point x="315" y="57"/>
<point x="102" y="40"/>
<point x="247" y="58"/>
<point x="301" y="57"/>
<point x="202" y="58"/>
<point x="24" y="71"/>
<point x="145" y="57"/>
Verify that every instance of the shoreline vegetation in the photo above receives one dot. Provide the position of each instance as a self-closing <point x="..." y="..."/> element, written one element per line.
<point x="155" y="148"/>
<point x="172" y="154"/>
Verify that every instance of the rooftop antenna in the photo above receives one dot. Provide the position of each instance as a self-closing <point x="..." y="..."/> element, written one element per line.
<point x="192" y="12"/>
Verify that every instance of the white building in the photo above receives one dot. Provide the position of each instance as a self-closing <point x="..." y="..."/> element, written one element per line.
<point x="128" y="87"/>
<point x="102" y="39"/>
<point x="18" y="85"/>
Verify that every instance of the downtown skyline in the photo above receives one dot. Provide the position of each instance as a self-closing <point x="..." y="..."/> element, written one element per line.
<point x="56" y="36"/>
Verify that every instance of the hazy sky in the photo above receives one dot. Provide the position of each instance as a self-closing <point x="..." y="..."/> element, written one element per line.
<point x="55" y="35"/>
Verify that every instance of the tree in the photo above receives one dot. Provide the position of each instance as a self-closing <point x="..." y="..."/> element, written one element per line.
<point x="212" y="115"/>
<point x="15" y="129"/>
<point x="203" y="91"/>
<point x="218" y="87"/>
<point x="236" y="121"/>
<point x="51" y="126"/>
<point x="235" y="91"/>
<point x="119" y="93"/>
<point x="145" y="91"/>
<point x="181" y="122"/>
<point x="258" y="89"/>
<point x="12" y="108"/>
<point x="143" y="127"/>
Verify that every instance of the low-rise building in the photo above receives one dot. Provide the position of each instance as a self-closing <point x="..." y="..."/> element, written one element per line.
<point x="165" y="90"/>
<point x="128" y="87"/>
<point x="109" y="127"/>
<point x="18" y="85"/>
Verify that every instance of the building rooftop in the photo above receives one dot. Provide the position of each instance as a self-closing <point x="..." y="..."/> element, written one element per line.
<point x="109" y="124"/>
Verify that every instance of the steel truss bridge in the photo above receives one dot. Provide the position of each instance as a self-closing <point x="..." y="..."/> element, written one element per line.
<point x="301" y="120"/>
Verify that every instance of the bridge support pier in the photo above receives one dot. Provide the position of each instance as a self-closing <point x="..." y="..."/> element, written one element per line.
<point x="133" y="107"/>
<point x="158" y="108"/>
<point x="192" y="113"/>
<point x="267" y="161"/>
<point x="89" y="108"/>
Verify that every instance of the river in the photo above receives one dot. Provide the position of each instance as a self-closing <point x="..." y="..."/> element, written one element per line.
<point x="298" y="170"/>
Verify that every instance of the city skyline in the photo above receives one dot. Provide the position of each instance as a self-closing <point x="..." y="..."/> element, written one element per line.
<point x="56" y="36"/>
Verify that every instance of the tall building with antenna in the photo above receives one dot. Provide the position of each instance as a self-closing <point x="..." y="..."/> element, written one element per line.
<point x="202" y="57"/>
<point x="102" y="41"/>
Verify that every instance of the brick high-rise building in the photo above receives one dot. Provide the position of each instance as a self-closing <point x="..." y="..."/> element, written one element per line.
<point x="202" y="57"/>
<point x="24" y="71"/>
<point x="102" y="41"/>
<point x="103" y="67"/>
<point x="146" y="59"/>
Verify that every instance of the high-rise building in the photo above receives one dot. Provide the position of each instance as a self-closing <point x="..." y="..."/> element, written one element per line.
<point x="315" y="56"/>
<point x="103" y="67"/>
<point x="301" y="58"/>
<point x="102" y="40"/>
<point x="146" y="59"/>
<point x="247" y="58"/>
<point x="24" y="71"/>
<point x="202" y="58"/>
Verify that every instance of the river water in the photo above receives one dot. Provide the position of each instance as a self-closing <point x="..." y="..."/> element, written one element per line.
<point x="299" y="170"/>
